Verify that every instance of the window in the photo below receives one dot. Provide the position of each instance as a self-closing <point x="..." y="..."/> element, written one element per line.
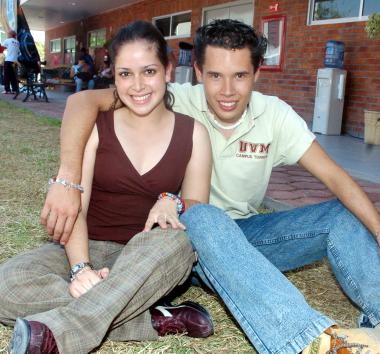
<point x="174" y="25"/>
<point x="273" y="28"/>
<point x="55" y="45"/>
<point x="69" y="50"/>
<point x="335" y="11"/>
<point x="97" y="38"/>
<point x="238" y="10"/>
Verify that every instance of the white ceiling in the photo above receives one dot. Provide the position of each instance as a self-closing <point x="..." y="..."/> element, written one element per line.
<point x="43" y="15"/>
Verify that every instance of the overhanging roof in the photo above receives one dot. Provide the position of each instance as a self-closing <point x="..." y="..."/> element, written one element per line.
<point x="43" y="15"/>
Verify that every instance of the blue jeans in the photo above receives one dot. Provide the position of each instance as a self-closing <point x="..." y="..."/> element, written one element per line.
<point x="79" y="84"/>
<point x="242" y="261"/>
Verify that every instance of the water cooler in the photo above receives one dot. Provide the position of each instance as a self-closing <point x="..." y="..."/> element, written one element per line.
<point x="184" y="70"/>
<point x="330" y="87"/>
<point x="329" y="101"/>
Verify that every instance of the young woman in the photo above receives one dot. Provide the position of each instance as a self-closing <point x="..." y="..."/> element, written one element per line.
<point x="117" y="265"/>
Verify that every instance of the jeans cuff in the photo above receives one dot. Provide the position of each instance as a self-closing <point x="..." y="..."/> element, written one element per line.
<point x="306" y="336"/>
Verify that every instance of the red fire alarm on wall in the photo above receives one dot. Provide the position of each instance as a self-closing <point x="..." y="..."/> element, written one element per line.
<point x="273" y="7"/>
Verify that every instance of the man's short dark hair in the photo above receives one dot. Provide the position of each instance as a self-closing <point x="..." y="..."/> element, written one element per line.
<point x="230" y="34"/>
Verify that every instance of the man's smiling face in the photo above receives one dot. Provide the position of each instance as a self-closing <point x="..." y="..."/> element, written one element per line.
<point x="228" y="77"/>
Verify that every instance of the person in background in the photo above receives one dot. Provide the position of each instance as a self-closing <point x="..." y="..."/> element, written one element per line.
<point x="82" y="72"/>
<point x="105" y="75"/>
<point x="104" y="281"/>
<point x="10" y="64"/>
<point x="87" y="58"/>
<point x="2" y="59"/>
<point x="106" y="70"/>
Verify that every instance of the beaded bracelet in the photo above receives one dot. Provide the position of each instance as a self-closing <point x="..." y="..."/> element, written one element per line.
<point x="180" y="201"/>
<point x="65" y="183"/>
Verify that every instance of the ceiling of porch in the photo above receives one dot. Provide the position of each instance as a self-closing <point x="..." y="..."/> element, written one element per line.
<point x="43" y="15"/>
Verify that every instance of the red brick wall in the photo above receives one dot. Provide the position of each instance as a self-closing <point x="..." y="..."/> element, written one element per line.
<point x="304" y="52"/>
<point x="114" y="19"/>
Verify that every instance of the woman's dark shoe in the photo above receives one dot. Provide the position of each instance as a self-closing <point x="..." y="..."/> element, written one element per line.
<point x="187" y="317"/>
<point x="32" y="337"/>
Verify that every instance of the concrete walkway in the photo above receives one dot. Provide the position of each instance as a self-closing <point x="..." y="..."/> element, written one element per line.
<point x="290" y="186"/>
<point x="54" y="108"/>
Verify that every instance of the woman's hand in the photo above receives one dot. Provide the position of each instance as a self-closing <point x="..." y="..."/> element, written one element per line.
<point x="164" y="213"/>
<point x="85" y="280"/>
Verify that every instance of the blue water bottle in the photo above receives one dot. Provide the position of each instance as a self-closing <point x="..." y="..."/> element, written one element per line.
<point x="334" y="56"/>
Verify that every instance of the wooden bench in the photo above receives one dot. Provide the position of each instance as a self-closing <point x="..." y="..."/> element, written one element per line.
<point x="58" y="77"/>
<point x="69" y="83"/>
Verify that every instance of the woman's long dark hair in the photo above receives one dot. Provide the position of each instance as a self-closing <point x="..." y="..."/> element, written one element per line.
<point x="135" y="31"/>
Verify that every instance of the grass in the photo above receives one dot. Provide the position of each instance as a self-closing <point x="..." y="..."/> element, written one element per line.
<point x="29" y="153"/>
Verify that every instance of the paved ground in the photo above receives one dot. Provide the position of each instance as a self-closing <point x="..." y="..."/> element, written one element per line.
<point x="293" y="186"/>
<point x="54" y="108"/>
<point x="289" y="186"/>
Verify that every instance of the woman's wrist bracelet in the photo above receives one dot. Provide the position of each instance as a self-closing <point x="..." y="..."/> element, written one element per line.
<point x="180" y="201"/>
<point x="65" y="183"/>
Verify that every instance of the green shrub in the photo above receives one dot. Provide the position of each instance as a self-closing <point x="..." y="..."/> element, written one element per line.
<point x="373" y="26"/>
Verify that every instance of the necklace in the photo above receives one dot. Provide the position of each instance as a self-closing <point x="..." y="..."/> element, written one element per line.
<point x="219" y="125"/>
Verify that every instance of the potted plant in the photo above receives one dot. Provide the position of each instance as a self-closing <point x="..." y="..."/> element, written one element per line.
<point x="373" y="26"/>
<point x="372" y="118"/>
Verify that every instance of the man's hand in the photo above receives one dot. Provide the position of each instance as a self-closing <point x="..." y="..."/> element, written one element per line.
<point x="85" y="280"/>
<point x="60" y="211"/>
<point x="164" y="212"/>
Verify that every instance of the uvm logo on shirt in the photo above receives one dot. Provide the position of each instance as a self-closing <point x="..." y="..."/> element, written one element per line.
<point x="253" y="150"/>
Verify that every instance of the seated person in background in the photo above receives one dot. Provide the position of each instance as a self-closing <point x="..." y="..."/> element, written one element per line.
<point x="87" y="58"/>
<point x="139" y="156"/>
<point x="82" y="72"/>
<point x="105" y="75"/>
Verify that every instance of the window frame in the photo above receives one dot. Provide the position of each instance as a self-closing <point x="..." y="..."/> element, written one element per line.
<point x="311" y="22"/>
<point x="56" y="41"/>
<point x="171" y="20"/>
<point x="96" y="31"/>
<point x="227" y="5"/>
<point x="73" y="53"/>
<point x="280" y="65"/>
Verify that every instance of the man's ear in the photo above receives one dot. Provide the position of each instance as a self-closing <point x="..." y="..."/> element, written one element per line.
<point x="198" y="72"/>
<point x="168" y="72"/>
<point x="257" y="75"/>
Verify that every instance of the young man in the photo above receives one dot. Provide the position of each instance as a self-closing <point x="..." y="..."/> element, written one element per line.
<point x="82" y="72"/>
<point x="242" y="259"/>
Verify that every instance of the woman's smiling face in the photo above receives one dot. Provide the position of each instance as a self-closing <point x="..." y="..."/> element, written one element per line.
<point x="140" y="77"/>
